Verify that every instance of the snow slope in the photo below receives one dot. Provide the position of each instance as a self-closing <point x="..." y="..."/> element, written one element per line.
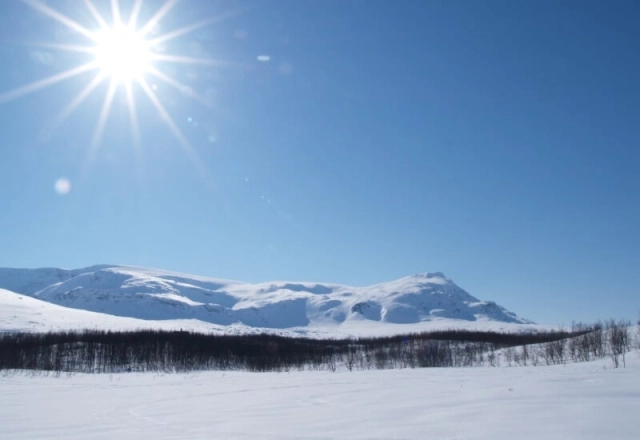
<point x="23" y="313"/>
<point x="408" y="304"/>
<point x="575" y="401"/>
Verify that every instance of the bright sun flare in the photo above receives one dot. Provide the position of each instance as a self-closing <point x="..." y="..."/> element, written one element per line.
<point x="122" y="53"/>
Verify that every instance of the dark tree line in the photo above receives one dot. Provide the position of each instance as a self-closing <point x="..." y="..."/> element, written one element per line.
<point x="107" y="352"/>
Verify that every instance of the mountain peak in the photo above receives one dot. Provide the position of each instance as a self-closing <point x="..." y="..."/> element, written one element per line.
<point x="432" y="275"/>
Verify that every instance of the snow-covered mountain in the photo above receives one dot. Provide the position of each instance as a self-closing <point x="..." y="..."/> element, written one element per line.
<point x="154" y="295"/>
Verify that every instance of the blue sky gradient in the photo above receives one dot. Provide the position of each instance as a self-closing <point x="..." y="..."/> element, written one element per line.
<point x="496" y="141"/>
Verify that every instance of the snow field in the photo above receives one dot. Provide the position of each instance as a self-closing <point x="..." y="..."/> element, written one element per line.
<point x="573" y="401"/>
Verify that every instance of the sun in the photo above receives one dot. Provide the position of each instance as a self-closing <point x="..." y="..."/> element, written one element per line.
<point x="122" y="54"/>
<point x="126" y="54"/>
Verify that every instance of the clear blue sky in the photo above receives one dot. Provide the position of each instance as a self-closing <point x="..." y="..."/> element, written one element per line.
<point x="496" y="141"/>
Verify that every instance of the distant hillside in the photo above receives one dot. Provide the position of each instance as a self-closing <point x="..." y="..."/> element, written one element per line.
<point x="148" y="294"/>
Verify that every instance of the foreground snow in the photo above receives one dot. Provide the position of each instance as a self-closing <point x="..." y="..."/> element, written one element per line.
<point x="579" y="401"/>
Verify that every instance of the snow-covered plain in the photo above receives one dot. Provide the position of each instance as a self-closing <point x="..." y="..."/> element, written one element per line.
<point x="576" y="401"/>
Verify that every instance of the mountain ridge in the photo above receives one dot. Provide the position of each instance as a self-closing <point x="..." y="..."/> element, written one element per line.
<point x="153" y="294"/>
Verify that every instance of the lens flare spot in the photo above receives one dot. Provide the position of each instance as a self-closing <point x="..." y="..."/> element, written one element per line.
<point x="62" y="186"/>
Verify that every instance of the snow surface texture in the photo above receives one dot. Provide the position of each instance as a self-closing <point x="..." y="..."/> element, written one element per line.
<point x="574" y="401"/>
<point x="151" y="298"/>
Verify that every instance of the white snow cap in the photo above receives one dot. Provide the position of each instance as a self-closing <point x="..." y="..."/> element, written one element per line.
<point x="408" y="304"/>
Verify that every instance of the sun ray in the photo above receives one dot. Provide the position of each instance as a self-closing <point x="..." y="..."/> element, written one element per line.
<point x="37" y="85"/>
<point x="183" y="88"/>
<point x="171" y="81"/>
<point x="178" y="59"/>
<point x="169" y="4"/>
<point x="47" y="10"/>
<point x="115" y="10"/>
<point x="166" y="117"/>
<point x="65" y="47"/>
<point x="135" y="12"/>
<point x="192" y="27"/>
<point x="71" y="106"/>
<point x="178" y="32"/>
<point x="133" y="118"/>
<point x="96" y="139"/>
<point x="183" y="141"/>
<point x="80" y="97"/>
<point x="96" y="15"/>
<point x="184" y="60"/>
<point x="135" y="130"/>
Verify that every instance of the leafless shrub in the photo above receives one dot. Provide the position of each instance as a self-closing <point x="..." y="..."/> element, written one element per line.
<point x="619" y="340"/>
<point x="525" y="354"/>
<point x="517" y="358"/>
